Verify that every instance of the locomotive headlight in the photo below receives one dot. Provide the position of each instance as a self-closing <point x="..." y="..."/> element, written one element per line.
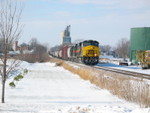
<point x="95" y="54"/>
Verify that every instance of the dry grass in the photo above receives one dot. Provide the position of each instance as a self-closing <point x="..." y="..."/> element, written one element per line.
<point x="44" y="57"/>
<point x="80" y="71"/>
<point x="125" y="87"/>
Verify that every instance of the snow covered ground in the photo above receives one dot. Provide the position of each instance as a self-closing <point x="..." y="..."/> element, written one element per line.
<point x="51" y="89"/>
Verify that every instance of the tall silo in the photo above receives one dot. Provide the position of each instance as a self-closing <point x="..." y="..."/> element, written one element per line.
<point x="139" y="40"/>
<point x="66" y="39"/>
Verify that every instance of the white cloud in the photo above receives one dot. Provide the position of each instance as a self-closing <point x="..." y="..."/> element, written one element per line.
<point x="101" y="2"/>
<point x="115" y="3"/>
<point x="62" y="14"/>
<point x="132" y="4"/>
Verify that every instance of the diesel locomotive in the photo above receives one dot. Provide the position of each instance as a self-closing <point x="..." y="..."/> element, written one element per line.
<point x="87" y="52"/>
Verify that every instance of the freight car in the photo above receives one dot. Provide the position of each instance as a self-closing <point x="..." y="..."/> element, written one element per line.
<point x="86" y="52"/>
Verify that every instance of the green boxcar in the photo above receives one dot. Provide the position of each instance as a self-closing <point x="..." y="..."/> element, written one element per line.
<point x="139" y="40"/>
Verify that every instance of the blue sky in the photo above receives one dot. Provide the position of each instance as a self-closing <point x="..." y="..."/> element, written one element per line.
<point x="106" y="21"/>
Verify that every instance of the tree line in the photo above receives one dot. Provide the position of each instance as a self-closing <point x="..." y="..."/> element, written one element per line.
<point x="121" y="49"/>
<point x="39" y="52"/>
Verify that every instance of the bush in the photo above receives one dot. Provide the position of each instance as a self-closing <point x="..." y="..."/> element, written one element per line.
<point x="17" y="78"/>
<point x="12" y="84"/>
<point x="59" y="63"/>
<point x="25" y="71"/>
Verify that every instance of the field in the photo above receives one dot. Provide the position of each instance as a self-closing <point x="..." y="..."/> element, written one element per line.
<point x="49" y="88"/>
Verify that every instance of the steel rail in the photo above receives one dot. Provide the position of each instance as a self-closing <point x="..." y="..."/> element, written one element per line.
<point x="125" y="72"/>
<point x="121" y="71"/>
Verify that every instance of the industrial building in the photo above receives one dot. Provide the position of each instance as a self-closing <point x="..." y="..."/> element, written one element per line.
<point x="66" y="39"/>
<point x="139" y="41"/>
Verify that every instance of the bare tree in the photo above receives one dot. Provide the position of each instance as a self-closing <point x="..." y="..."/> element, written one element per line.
<point x="105" y="49"/>
<point x="10" y="31"/>
<point x="122" y="48"/>
<point x="33" y="42"/>
<point x="41" y="52"/>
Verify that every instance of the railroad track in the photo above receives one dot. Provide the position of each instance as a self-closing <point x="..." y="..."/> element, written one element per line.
<point x="121" y="71"/>
<point x="125" y="72"/>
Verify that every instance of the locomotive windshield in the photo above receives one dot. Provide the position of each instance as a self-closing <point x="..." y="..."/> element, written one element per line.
<point x="93" y="43"/>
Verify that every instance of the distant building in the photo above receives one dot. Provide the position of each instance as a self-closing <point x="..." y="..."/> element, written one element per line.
<point x="66" y="39"/>
<point x="21" y="48"/>
<point x="15" y="46"/>
<point x="24" y="47"/>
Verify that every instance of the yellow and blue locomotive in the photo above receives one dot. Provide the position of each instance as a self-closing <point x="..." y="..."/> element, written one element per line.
<point x="86" y="52"/>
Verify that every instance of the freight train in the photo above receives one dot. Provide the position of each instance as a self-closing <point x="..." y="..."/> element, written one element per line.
<point x="86" y="52"/>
